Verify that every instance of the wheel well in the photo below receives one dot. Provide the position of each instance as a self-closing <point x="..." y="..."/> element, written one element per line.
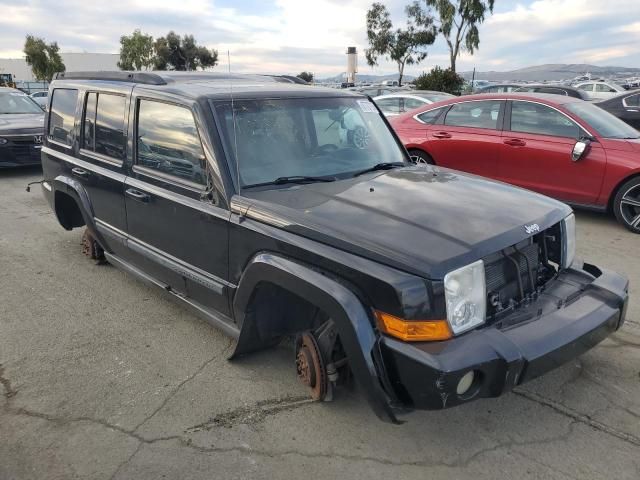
<point x="422" y="151"/>
<point x="615" y="191"/>
<point x="67" y="211"/>
<point x="276" y="312"/>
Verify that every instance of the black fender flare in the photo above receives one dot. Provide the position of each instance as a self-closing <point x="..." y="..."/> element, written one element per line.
<point x="352" y="319"/>
<point x="76" y="190"/>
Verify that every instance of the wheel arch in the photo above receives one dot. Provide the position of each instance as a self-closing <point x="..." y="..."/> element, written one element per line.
<point x="616" y="189"/>
<point x="420" y="148"/>
<point x="353" y="321"/>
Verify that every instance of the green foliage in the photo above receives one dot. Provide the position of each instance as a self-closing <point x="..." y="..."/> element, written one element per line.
<point x="136" y="51"/>
<point x="440" y="80"/>
<point x="306" y="76"/>
<point x="175" y="53"/>
<point x="459" y="20"/>
<point x="404" y="46"/>
<point x="43" y="58"/>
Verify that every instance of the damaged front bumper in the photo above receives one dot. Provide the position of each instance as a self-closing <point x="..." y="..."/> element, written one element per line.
<point x="577" y="310"/>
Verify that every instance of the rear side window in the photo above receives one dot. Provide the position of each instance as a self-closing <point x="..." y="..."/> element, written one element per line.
<point x="62" y="114"/>
<point x="168" y="141"/>
<point x="104" y="125"/>
<point x="411" y="103"/>
<point x="527" y="117"/>
<point x="588" y="87"/>
<point x="431" y="116"/>
<point x="553" y="91"/>
<point x="474" y="114"/>
<point x="390" y="105"/>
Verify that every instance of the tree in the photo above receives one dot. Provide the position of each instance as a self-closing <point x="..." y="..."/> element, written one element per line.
<point x="459" y="20"/>
<point x="136" y="51"/>
<point x="43" y="58"/>
<point x="404" y="46"/>
<point x="306" y="76"/>
<point x="441" y="81"/>
<point x="175" y="53"/>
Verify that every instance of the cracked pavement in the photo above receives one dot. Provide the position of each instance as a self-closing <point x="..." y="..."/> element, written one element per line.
<point x="102" y="377"/>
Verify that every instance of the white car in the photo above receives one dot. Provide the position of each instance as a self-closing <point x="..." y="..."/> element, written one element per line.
<point x="397" y="103"/>
<point x="40" y="97"/>
<point x="600" y="90"/>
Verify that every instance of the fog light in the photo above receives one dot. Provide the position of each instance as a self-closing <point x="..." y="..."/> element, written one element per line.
<point x="465" y="383"/>
<point x="3" y="141"/>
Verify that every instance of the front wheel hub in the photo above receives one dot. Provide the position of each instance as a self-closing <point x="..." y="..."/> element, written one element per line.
<point x="310" y="366"/>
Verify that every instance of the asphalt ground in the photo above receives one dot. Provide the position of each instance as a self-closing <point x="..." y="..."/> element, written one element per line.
<point x="103" y="377"/>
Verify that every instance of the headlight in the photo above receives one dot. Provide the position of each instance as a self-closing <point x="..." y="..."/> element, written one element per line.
<point x="3" y="141"/>
<point x="568" y="240"/>
<point x="466" y="297"/>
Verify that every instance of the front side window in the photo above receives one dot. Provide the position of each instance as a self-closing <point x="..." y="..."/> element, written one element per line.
<point x="604" y="88"/>
<point x="411" y="103"/>
<point x="474" y="114"/>
<point x="527" y="117"/>
<point x="330" y="138"/>
<point x="62" y="114"/>
<point x="168" y="141"/>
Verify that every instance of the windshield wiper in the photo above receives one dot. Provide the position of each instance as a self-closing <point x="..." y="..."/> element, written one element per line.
<point x="293" y="179"/>
<point x="380" y="166"/>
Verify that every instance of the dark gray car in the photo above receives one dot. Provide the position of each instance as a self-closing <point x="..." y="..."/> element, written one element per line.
<point x="21" y="129"/>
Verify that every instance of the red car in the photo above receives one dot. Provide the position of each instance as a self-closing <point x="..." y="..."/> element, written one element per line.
<point x="559" y="146"/>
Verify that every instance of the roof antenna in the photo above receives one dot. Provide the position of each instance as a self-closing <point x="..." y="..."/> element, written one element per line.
<point x="233" y="118"/>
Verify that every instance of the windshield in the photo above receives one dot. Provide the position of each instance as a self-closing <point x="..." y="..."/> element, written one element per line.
<point x="307" y="137"/>
<point x="605" y="124"/>
<point x="17" y="102"/>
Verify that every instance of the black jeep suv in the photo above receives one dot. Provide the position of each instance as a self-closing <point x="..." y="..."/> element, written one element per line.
<point x="278" y="211"/>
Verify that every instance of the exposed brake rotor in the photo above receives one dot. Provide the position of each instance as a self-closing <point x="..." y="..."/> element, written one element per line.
<point x="310" y="366"/>
<point x="91" y="248"/>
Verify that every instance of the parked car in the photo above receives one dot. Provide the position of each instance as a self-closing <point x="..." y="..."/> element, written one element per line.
<point x="559" y="146"/>
<point x="600" y="90"/>
<point x="626" y="107"/>
<point x="498" y="88"/>
<point x="553" y="90"/>
<point x="400" y="102"/>
<point x="311" y="222"/>
<point x="21" y="129"/>
<point x="40" y="97"/>
<point x="377" y="91"/>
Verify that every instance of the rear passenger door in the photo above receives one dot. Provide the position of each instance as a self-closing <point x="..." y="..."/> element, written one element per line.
<point x="177" y="233"/>
<point x="469" y="137"/>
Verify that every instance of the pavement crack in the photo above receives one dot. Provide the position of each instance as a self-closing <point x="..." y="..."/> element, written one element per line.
<point x="182" y="384"/>
<point x="577" y="416"/>
<point x="252" y="414"/>
<point x="126" y="462"/>
<point x="9" y="391"/>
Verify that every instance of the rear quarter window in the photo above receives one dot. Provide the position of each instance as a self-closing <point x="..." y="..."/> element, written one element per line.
<point x="62" y="115"/>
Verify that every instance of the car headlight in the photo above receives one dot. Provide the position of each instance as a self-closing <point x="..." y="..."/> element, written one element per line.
<point x="466" y="296"/>
<point x="568" y="240"/>
<point x="3" y="141"/>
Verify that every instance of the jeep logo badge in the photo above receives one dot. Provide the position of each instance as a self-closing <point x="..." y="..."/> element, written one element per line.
<point x="533" y="228"/>
<point x="37" y="139"/>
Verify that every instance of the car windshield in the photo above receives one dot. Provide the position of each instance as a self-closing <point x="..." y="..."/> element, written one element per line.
<point x="315" y="138"/>
<point x="17" y="102"/>
<point x="605" y="124"/>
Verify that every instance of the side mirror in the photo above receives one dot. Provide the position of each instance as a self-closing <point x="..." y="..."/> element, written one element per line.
<point x="580" y="149"/>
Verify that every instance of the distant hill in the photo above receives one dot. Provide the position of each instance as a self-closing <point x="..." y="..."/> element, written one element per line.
<point x="553" y="71"/>
<point x="366" y="78"/>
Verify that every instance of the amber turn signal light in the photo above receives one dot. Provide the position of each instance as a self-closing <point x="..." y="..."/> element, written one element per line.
<point x="413" y="330"/>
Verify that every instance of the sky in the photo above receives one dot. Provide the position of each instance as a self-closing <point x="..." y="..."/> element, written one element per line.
<point x="289" y="36"/>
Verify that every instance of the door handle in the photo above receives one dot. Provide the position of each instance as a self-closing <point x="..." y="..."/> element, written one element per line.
<point x="515" y="142"/>
<point x="78" y="172"/>
<point x="442" y="135"/>
<point x="137" y="195"/>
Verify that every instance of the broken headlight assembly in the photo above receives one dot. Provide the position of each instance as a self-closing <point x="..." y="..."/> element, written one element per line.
<point x="568" y="227"/>
<point x="466" y="297"/>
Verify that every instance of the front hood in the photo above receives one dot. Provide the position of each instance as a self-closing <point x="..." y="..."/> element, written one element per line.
<point x="422" y="220"/>
<point x="16" y="124"/>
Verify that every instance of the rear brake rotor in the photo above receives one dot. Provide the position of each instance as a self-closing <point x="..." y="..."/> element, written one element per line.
<point x="310" y="367"/>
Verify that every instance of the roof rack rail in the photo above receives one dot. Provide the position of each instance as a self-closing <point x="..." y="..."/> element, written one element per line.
<point x="145" y="78"/>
